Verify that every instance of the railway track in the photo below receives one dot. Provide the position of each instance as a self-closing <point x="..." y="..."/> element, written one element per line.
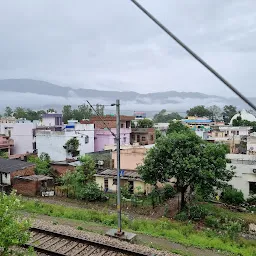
<point x="57" y="244"/>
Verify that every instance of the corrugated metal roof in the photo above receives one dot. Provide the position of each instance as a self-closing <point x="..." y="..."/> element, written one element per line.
<point x="11" y="165"/>
<point x="127" y="173"/>
<point x="34" y="177"/>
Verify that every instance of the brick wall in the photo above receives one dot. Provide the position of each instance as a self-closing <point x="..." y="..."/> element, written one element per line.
<point x="62" y="169"/>
<point x="25" y="172"/>
<point x="26" y="188"/>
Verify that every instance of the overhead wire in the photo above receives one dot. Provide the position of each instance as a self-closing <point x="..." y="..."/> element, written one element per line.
<point x="184" y="46"/>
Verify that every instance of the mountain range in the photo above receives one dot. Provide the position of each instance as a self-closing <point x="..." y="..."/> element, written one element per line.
<point x="41" y="94"/>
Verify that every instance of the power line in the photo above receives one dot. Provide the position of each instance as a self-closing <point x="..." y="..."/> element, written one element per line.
<point x="221" y="78"/>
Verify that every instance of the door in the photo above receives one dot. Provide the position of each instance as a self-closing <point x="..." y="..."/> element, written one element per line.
<point x="131" y="186"/>
<point x="106" y="184"/>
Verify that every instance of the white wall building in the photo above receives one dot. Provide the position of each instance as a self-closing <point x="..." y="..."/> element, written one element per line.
<point x="52" y="142"/>
<point x="22" y="134"/>
<point x="244" y="167"/>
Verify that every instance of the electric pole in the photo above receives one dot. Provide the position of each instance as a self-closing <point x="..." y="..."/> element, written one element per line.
<point x="119" y="230"/>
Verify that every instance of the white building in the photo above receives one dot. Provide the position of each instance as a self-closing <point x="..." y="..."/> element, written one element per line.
<point x="244" y="167"/>
<point x="52" y="119"/>
<point x="52" y="142"/>
<point x="22" y="134"/>
<point x="233" y="131"/>
<point x="244" y="116"/>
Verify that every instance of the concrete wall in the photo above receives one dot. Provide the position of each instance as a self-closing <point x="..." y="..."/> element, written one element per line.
<point x="6" y="178"/>
<point x="52" y="142"/>
<point x="104" y="138"/>
<point x="130" y="158"/>
<point x="22" y="134"/>
<point x="48" y="121"/>
<point x="26" y="188"/>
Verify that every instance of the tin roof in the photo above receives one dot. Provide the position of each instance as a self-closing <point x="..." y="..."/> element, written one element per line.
<point x="126" y="173"/>
<point x="34" y="178"/>
<point x="11" y="165"/>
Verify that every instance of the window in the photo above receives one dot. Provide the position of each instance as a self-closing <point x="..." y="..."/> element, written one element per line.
<point x="122" y="125"/>
<point x="143" y="138"/>
<point x="227" y="132"/>
<point x="124" y="139"/>
<point x="237" y="133"/>
<point x="106" y="184"/>
<point x="138" y="138"/>
<point x="252" y="187"/>
<point x="128" y="124"/>
<point x="86" y="139"/>
<point x="114" y="181"/>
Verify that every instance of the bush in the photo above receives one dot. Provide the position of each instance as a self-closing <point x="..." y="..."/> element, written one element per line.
<point x="251" y="200"/>
<point x="197" y="212"/>
<point x="169" y="192"/>
<point x="182" y="216"/>
<point x="212" y="222"/>
<point x="232" y="196"/>
<point x="90" y="192"/>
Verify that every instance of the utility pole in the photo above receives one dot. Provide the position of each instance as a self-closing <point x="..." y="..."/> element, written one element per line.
<point x="119" y="229"/>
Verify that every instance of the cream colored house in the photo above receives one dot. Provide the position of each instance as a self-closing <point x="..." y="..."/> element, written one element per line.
<point x="107" y="181"/>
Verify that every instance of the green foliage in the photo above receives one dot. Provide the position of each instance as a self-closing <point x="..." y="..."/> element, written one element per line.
<point x="14" y="229"/>
<point x="125" y="192"/>
<point x="215" y="113"/>
<point x="145" y="123"/>
<point x="200" y="111"/>
<point x="189" y="159"/>
<point x="251" y="200"/>
<point x="173" y="231"/>
<point x="8" y="112"/>
<point x="158" y="133"/>
<point x="72" y="146"/>
<point x="182" y="216"/>
<point x="228" y="112"/>
<point x="42" y="163"/>
<point x="90" y="192"/>
<point x="169" y="191"/>
<point x="177" y="127"/>
<point x="163" y="117"/>
<point x="241" y="122"/>
<point x="4" y="154"/>
<point x="232" y="196"/>
<point x="212" y="222"/>
<point x="197" y="212"/>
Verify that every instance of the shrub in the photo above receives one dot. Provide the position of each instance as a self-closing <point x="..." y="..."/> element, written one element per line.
<point x="90" y="192"/>
<point x="182" y="216"/>
<point x="232" y="196"/>
<point x="197" y="212"/>
<point x="169" y="192"/>
<point x="211" y="221"/>
<point x="251" y="200"/>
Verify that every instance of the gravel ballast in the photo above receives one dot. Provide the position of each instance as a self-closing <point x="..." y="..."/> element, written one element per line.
<point x="68" y="230"/>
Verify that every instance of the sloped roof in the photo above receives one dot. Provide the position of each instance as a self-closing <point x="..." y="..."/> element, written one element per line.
<point x="12" y="165"/>
<point x="126" y="173"/>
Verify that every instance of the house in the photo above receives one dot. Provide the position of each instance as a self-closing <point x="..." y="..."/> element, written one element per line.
<point x="61" y="167"/>
<point x="53" y="142"/>
<point x="244" y="167"/>
<point x="34" y="185"/>
<point x="23" y="135"/>
<point x="107" y="181"/>
<point x="103" y="137"/>
<point x="7" y="120"/>
<point x="12" y="168"/>
<point x="132" y="157"/>
<point x="162" y="127"/>
<point x="6" y="143"/>
<point x="143" y="136"/>
<point x="51" y="121"/>
<point x="198" y="122"/>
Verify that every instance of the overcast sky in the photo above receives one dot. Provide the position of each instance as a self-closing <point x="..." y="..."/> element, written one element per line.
<point x="111" y="45"/>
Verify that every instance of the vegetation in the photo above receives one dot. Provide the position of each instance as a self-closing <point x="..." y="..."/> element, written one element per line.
<point x="163" y="117"/>
<point x="200" y="111"/>
<point x="228" y="112"/>
<point x="42" y="163"/>
<point x="177" y="127"/>
<point x="232" y="196"/>
<point x="14" y="229"/>
<point x="240" y="122"/>
<point x="158" y="133"/>
<point x="4" y="154"/>
<point x="189" y="159"/>
<point x="186" y="233"/>
<point x="145" y="123"/>
<point x="72" y="146"/>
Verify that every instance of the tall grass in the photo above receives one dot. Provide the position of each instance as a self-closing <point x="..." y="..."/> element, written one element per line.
<point x="174" y="231"/>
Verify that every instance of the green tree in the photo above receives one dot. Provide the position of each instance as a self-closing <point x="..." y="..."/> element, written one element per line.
<point x="100" y="109"/>
<point x="200" y="111"/>
<point x="228" y="112"/>
<point x="187" y="158"/>
<point x="87" y="167"/>
<point x="215" y="113"/>
<point x="176" y="126"/>
<point x="163" y="117"/>
<point x="67" y="113"/>
<point x="40" y="113"/>
<point x="158" y="133"/>
<point x="20" y="112"/>
<point x="51" y="110"/>
<point x="8" y="112"/>
<point x="240" y="122"/>
<point x="85" y="111"/>
<point x="145" y="123"/>
<point x="72" y="146"/>
<point x="4" y="154"/>
<point x="32" y="115"/>
<point x="14" y="229"/>
<point x="42" y="163"/>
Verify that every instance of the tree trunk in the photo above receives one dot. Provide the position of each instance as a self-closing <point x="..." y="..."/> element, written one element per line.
<point x="183" y="192"/>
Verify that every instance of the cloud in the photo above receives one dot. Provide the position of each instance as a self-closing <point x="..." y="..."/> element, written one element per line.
<point x="111" y="45"/>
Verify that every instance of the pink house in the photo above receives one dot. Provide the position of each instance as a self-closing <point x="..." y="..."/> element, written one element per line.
<point x="103" y="137"/>
<point x="6" y="143"/>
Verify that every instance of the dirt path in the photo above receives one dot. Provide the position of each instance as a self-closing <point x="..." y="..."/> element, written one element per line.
<point x="159" y="243"/>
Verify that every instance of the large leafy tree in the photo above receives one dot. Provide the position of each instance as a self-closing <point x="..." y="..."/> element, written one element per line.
<point x="14" y="230"/>
<point x="186" y="157"/>
<point x="20" y="112"/>
<point x="200" y="111"/>
<point x="67" y="113"/>
<point x="228" y="112"/>
<point x="176" y="126"/>
<point x="145" y="123"/>
<point x="215" y="113"/>
<point x="42" y="163"/>
<point x="240" y="122"/>
<point x="8" y="112"/>
<point x="164" y="117"/>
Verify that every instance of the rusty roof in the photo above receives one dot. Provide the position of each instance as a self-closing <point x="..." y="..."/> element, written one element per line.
<point x="127" y="173"/>
<point x="34" y="177"/>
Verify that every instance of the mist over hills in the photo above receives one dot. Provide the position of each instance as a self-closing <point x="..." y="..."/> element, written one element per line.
<point x="41" y="94"/>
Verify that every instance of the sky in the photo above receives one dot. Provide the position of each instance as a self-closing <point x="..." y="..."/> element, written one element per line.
<point x="112" y="45"/>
